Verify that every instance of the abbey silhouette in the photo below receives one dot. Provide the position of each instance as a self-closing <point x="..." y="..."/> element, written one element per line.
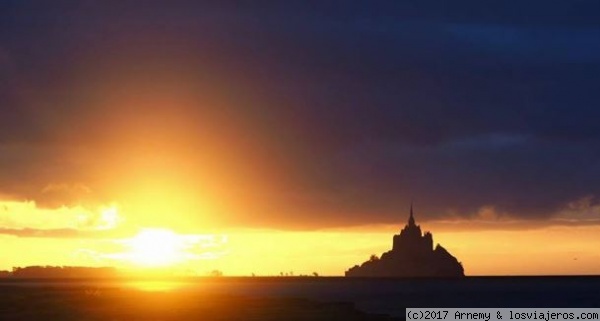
<point x="412" y="255"/>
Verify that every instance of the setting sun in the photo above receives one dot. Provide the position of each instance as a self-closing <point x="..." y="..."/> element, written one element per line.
<point x="156" y="247"/>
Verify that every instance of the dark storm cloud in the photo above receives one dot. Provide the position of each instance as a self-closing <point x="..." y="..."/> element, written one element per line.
<point x="458" y="105"/>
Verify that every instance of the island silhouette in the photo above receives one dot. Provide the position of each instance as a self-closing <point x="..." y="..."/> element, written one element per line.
<point x="412" y="255"/>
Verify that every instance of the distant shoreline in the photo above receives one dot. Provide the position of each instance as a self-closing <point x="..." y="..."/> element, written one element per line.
<point x="281" y="279"/>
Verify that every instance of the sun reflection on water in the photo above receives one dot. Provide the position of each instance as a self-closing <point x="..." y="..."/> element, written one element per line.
<point x="155" y="286"/>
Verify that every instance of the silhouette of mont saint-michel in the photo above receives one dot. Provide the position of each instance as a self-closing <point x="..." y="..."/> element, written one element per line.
<point x="412" y="255"/>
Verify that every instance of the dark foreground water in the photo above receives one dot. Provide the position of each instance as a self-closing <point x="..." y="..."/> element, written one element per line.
<point x="372" y="296"/>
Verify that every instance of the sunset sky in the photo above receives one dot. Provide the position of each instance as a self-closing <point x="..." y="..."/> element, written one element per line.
<point x="292" y="136"/>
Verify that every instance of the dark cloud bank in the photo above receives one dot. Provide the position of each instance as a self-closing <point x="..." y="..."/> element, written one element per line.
<point x="456" y="105"/>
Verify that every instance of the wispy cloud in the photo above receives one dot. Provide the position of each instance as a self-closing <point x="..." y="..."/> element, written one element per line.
<point x="26" y="219"/>
<point x="584" y="210"/>
<point x="55" y="233"/>
<point x="164" y="247"/>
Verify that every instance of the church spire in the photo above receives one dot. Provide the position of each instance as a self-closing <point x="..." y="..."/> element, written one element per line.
<point x="411" y="219"/>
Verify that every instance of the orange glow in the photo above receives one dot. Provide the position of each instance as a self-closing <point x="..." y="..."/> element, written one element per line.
<point x="491" y="248"/>
<point x="155" y="136"/>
